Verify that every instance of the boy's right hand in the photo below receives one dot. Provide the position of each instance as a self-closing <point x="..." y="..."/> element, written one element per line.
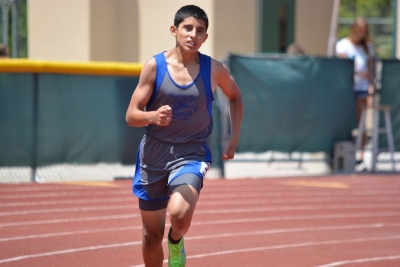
<point x="163" y="116"/>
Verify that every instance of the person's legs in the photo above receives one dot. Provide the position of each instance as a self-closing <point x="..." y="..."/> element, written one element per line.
<point x="153" y="233"/>
<point x="184" y="195"/>
<point x="361" y="102"/>
<point x="185" y="191"/>
<point x="181" y="208"/>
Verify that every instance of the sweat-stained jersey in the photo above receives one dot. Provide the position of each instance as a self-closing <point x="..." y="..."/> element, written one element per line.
<point x="168" y="152"/>
<point x="191" y="104"/>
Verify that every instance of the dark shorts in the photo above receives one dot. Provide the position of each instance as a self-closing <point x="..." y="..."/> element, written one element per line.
<point x="185" y="179"/>
<point x="361" y="94"/>
<point x="161" y="167"/>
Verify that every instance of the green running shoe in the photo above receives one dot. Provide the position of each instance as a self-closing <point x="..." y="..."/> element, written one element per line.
<point x="177" y="254"/>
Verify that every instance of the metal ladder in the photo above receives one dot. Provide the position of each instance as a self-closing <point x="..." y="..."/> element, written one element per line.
<point x="375" y="133"/>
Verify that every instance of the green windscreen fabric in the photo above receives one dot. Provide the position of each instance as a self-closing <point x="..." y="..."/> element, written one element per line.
<point x="390" y="95"/>
<point x="294" y="103"/>
<point x="81" y="119"/>
<point x="66" y="118"/>
<point x="16" y="119"/>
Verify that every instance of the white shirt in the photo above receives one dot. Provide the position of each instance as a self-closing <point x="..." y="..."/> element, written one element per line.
<point x="360" y="57"/>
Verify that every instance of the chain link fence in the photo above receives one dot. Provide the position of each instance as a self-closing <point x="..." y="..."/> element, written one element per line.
<point x="13" y="27"/>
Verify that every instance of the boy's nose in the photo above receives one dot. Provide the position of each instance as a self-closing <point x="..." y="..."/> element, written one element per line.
<point x="193" y="34"/>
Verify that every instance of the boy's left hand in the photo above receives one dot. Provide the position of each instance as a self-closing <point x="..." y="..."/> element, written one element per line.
<point x="230" y="149"/>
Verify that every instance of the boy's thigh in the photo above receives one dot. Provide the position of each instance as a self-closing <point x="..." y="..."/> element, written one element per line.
<point x="154" y="195"/>
<point x="191" y="173"/>
<point x="190" y="179"/>
<point x="158" y="193"/>
<point x="154" y="223"/>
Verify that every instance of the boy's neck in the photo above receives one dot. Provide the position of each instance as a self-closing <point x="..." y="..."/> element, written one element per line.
<point x="185" y="58"/>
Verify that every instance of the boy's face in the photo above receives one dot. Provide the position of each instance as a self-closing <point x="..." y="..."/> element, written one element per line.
<point x="190" y="34"/>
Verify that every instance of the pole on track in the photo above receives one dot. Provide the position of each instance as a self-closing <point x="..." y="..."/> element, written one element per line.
<point x="333" y="28"/>
<point x="35" y="126"/>
<point x="396" y="34"/>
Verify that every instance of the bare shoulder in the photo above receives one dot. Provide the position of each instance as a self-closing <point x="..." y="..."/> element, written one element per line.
<point x="222" y="78"/>
<point x="150" y="65"/>
<point x="148" y="72"/>
<point x="219" y="73"/>
<point x="218" y="67"/>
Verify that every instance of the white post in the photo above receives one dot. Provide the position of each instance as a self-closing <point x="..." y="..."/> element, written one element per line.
<point x="397" y="33"/>
<point x="333" y="29"/>
<point x="4" y="10"/>
<point x="14" y="25"/>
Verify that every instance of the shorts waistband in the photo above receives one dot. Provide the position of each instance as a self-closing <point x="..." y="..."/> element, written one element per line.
<point x="176" y="144"/>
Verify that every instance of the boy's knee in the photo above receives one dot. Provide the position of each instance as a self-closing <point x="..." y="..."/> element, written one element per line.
<point x="180" y="216"/>
<point x="180" y="223"/>
<point x="152" y="239"/>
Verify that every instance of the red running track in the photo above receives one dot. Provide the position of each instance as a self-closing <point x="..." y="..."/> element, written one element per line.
<point x="283" y="222"/>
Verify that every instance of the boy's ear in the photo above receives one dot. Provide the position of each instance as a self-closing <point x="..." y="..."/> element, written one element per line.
<point x="205" y="37"/>
<point x="173" y="30"/>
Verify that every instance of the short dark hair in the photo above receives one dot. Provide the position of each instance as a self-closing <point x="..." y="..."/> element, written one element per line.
<point x="190" y="11"/>
<point x="4" y="51"/>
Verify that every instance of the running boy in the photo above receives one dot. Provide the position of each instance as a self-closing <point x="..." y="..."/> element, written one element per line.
<point x="173" y="100"/>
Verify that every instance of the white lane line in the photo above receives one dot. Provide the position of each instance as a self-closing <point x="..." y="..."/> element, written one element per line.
<point x="210" y="187"/>
<point x="254" y="191"/>
<point x="24" y="257"/>
<point x="111" y="191"/>
<point x="235" y="234"/>
<point x="130" y="216"/>
<point x="295" y="184"/>
<point x="329" y="242"/>
<point x="48" y="187"/>
<point x="83" y="219"/>
<point x="216" y="222"/>
<point x="202" y="202"/>
<point x="294" y="230"/>
<point x="297" y="200"/>
<point x="295" y="245"/>
<point x="302" y="194"/>
<point x="82" y="232"/>
<point x="299" y="217"/>
<point x="65" y="202"/>
<point x="77" y="209"/>
<point x="209" y="211"/>
<point x="283" y="187"/>
<point x="42" y="188"/>
<point x="339" y="263"/>
<point x="297" y="208"/>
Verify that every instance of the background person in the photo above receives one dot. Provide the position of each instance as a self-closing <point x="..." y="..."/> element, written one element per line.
<point x="4" y="51"/>
<point x="358" y="46"/>
<point x="295" y="49"/>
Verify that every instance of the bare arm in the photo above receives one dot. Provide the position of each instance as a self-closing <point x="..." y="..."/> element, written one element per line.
<point x="227" y="84"/>
<point x="135" y="115"/>
<point x="366" y="75"/>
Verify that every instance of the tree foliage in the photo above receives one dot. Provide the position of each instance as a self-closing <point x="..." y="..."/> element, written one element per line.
<point x="22" y="32"/>
<point x="381" y="31"/>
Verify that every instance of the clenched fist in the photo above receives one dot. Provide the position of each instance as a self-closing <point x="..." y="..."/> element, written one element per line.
<point x="163" y="116"/>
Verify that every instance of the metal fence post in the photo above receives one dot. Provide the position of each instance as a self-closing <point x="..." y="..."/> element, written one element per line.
<point x="14" y="29"/>
<point x="4" y="12"/>
<point x="35" y="126"/>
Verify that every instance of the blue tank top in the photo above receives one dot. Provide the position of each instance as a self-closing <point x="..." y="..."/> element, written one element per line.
<point x="191" y="104"/>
